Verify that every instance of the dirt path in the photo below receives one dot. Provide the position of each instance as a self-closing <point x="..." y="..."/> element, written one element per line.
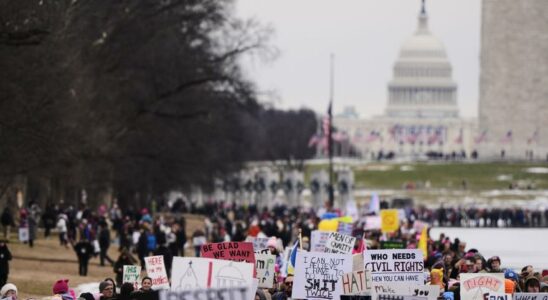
<point x="34" y="270"/>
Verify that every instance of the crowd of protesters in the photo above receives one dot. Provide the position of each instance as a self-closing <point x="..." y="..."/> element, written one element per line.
<point x="140" y="233"/>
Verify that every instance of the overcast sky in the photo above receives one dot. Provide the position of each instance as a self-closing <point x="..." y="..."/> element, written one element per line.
<point x="365" y="36"/>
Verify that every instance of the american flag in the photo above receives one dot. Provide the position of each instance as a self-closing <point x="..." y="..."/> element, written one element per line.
<point x="340" y="136"/>
<point x="507" y="138"/>
<point x="481" y="138"/>
<point x="534" y="138"/>
<point x="458" y="140"/>
<point x="358" y="136"/>
<point x="413" y="137"/>
<point x="435" y="137"/>
<point x="315" y="139"/>
<point x="373" y="136"/>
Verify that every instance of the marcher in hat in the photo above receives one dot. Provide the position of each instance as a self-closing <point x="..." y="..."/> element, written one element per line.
<point x="61" y="288"/>
<point x="532" y="285"/>
<point x="493" y="264"/>
<point x="9" y="291"/>
<point x="107" y="290"/>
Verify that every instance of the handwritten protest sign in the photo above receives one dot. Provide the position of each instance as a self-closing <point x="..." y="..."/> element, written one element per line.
<point x="318" y="239"/>
<point x="398" y="297"/>
<point x="201" y="273"/>
<point x="373" y="222"/>
<point x="317" y="275"/>
<point x="357" y="282"/>
<point x="345" y="228"/>
<point x="530" y="296"/>
<point x="23" y="234"/>
<point x="265" y="269"/>
<point x="228" y="293"/>
<point x="356" y="297"/>
<point x="235" y="251"/>
<point x="258" y="243"/>
<point x="339" y="243"/>
<point x="473" y="286"/>
<point x="390" y="221"/>
<point x="431" y="292"/>
<point x="131" y="274"/>
<point x="357" y="262"/>
<point x="156" y="270"/>
<point x="395" y="265"/>
<point x="498" y="296"/>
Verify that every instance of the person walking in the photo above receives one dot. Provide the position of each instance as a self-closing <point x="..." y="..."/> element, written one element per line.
<point x="5" y="257"/>
<point x="125" y="259"/>
<point x="62" y="227"/>
<point x="104" y="244"/>
<point x="7" y="221"/>
<point x="84" y="251"/>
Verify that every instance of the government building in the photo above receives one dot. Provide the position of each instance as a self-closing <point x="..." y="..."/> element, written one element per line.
<point x="422" y="116"/>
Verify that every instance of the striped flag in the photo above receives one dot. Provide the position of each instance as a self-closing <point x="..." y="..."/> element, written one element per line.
<point x="481" y="138"/>
<point x="534" y="138"/>
<point x="435" y="137"/>
<point x="507" y="137"/>
<point x="293" y="258"/>
<point x="458" y="140"/>
<point x="373" y="136"/>
<point x="315" y="139"/>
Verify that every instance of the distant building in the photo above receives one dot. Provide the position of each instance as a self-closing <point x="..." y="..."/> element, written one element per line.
<point x="422" y="114"/>
<point x="513" y="103"/>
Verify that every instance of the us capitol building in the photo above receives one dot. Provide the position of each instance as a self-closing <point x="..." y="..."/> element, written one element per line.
<point x="422" y="114"/>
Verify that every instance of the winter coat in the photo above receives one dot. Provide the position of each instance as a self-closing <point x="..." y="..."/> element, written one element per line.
<point x="84" y="250"/>
<point x="5" y="257"/>
<point x="7" y="218"/>
<point x="104" y="238"/>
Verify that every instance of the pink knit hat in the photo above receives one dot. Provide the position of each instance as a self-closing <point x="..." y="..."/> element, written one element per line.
<point x="61" y="286"/>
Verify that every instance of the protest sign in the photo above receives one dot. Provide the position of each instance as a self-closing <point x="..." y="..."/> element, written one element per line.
<point x="431" y="292"/>
<point x="201" y="273"/>
<point x="228" y="293"/>
<point x="372" y="222"/>
<point x="23" y="234"/>
<point x="389" y="220"/>
<point x="498" y="296"/>
<point x="398" y="297"/>
<point x="530" y="296"/>
<point x="258" y="243"/>
<point x="473" y="286"/>
<point x="356" y="297"/>
<point x="317" y="275"/>
<point x="356" y="282"/>
<point x="395" y="265"/>
<point x="357" y="262"/>
<point x="265" y="269"/>
<point x="318" y="239"/>
<point x="131" y="274"/>
<point x="393" y="245"/>
<point x="235" y="251"/>
<point x="339" y="243"/>
<point x="156" y="270"/>
<point x="345" y="228"/>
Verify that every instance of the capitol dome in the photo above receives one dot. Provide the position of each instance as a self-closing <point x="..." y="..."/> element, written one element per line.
<point x="422" y="86"/>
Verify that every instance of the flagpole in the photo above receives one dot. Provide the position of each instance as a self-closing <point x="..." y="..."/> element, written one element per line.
<point x="330" y="134"/>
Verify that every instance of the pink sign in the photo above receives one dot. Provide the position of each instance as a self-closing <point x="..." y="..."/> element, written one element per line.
<point x="235" y="251"/>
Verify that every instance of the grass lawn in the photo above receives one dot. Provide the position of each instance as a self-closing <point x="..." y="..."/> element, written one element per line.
<point x="479" y="176"/>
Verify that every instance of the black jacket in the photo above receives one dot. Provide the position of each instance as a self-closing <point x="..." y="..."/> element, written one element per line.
<point x="104" y="238"/>
<point x="84" y="250"/>
<point x="5" y="257"/>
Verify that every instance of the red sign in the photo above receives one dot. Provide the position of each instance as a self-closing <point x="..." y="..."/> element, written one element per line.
<point x="236" y="251"/>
